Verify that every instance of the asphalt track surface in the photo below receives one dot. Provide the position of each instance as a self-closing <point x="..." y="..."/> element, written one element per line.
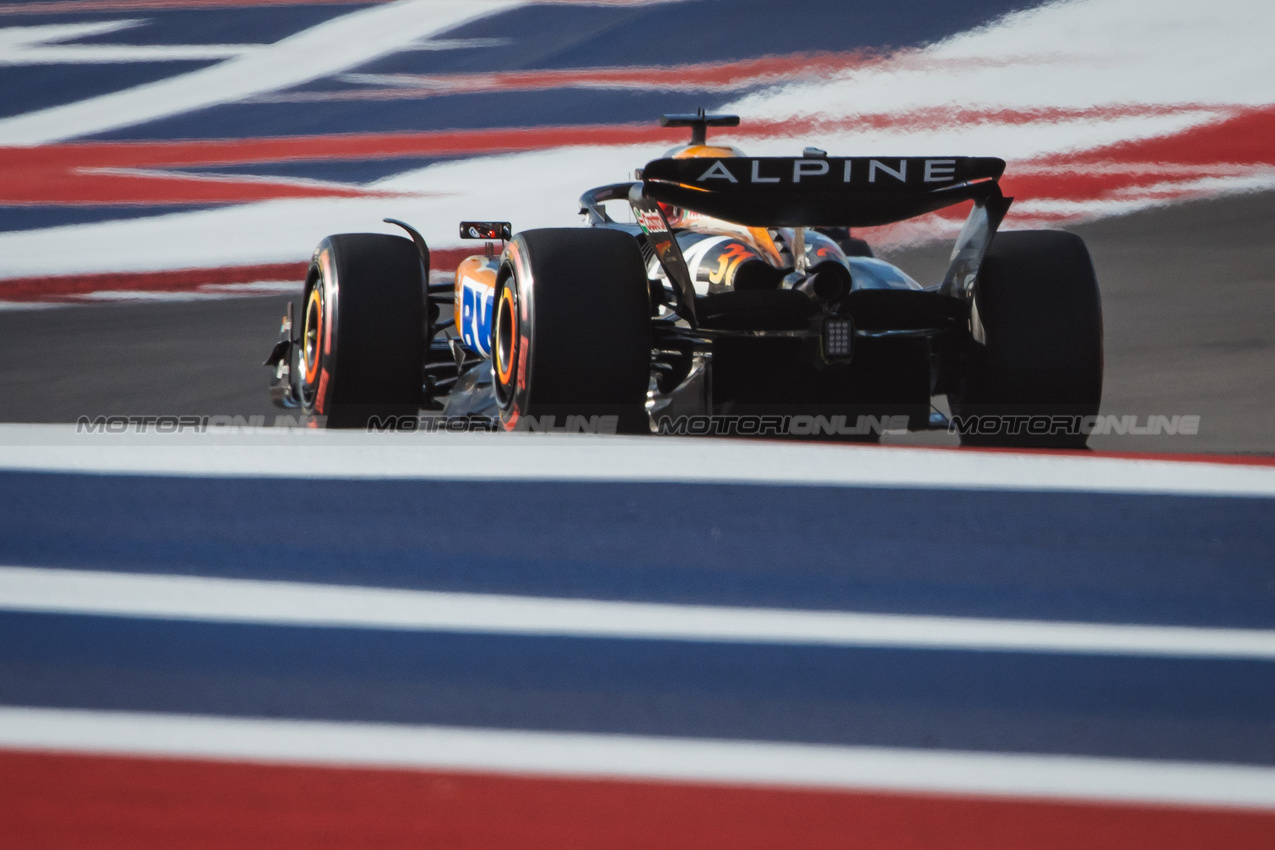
<point x="1187" y="295"/>
<point x="1188" y="291"/>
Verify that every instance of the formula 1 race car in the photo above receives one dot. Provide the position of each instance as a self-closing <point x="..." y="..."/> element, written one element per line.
<point x="737" y="303"/>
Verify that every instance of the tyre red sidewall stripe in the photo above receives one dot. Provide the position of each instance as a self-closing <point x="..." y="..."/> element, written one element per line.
<point x="321" y="396"/>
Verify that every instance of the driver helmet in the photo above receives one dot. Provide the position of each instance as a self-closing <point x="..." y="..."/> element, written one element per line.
<point x="676" y="215"/>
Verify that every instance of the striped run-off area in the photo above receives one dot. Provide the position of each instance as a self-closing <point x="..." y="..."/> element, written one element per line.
<point x="302" y="639"/>
<point x="181" y="146"/>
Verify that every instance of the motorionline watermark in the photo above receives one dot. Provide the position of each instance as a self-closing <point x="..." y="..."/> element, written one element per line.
<point x="424" y="423"/>
<point x="994" y="424"/>
<point x="434" y="424"/>
<point x="687" y="425"/>
<point x="179" y="424"/>
<point x="543" y="424"/>
<point x="796" y="425"/>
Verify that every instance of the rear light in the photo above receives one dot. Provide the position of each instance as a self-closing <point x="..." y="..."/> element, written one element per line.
<point x="486" y="230"/>
<point x="838" y="338"/>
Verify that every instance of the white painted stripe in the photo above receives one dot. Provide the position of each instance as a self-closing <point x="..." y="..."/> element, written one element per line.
<point x="272" y="287"/>
<point x="296" y="604"/>
<point x="25" y="38"/>
<point x="1055" y="55"/>
<point x="269" y="452"/>
<point x="172" y="297"/>
<point x="30" y="305"/>
<point x="97" y="54"/>
<point x="202" y="292"/>
<point x="640" y="758"/>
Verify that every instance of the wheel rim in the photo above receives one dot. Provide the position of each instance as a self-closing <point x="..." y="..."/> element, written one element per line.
<point x="312" y="338"/>
<point x="505" y="346"/>
<point x="506" y="323"/>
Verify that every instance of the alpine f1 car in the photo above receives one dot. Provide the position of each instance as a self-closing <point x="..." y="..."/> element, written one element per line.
<point x="735" y="303"/>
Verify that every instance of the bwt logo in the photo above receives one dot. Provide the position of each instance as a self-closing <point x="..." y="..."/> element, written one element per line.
<point x="476" y="303"/>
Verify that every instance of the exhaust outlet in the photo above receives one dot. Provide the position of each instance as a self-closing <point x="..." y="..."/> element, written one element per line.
<point x="828" y="282"/>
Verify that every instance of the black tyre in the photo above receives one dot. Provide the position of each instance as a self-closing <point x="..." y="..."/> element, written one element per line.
<point x="361" y="338"/>
<point x="571" y="334"/>
<point x="1037" y="353"/>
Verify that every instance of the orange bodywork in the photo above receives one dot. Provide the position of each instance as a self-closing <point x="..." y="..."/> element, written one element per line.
<point x="474" y="294"/>
<point x="480" y="271"/>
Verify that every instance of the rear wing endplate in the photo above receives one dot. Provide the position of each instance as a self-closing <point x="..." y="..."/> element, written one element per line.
<point x="662" y="241"/>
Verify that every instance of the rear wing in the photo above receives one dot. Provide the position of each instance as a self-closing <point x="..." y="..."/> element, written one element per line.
<point x="820" y="191"/>
<point x="814" y="191"/>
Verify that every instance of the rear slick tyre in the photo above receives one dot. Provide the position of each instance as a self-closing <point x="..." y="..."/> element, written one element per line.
<point x="361" y="338"/>
<point x="1035" y="370"/>
<point x="571" y="333"/>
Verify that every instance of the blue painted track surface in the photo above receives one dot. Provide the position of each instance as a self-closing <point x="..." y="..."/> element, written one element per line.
<point x="1194" y="710"/>
<point x="1052" y="556"/>
<point x="1055" y="556"/>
